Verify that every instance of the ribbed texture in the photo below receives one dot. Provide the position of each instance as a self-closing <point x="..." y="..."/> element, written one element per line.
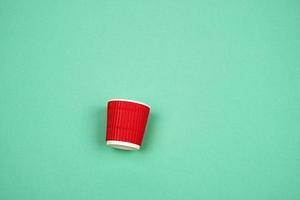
<point x="126" y="121"/>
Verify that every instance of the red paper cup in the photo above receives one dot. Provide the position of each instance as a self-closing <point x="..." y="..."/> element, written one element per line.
<point x="126" y="123"/>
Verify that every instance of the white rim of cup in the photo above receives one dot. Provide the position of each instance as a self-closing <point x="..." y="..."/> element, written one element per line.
<point x="132" y="101"/>
<point x="122" y="145"/>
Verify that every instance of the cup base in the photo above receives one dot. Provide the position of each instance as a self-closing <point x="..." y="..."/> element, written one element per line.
<point x="122" y="145"/>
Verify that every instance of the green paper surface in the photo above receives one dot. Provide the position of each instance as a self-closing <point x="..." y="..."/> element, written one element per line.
<point x="222" y="79"/>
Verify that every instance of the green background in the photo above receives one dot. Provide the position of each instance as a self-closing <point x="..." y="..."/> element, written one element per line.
<point x="222" y="77"/>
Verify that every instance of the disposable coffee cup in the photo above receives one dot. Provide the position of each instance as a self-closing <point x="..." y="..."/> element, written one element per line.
<point x="126" y="123"/>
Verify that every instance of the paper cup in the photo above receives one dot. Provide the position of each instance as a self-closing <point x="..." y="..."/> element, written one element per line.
<point x="126" y="123"/>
